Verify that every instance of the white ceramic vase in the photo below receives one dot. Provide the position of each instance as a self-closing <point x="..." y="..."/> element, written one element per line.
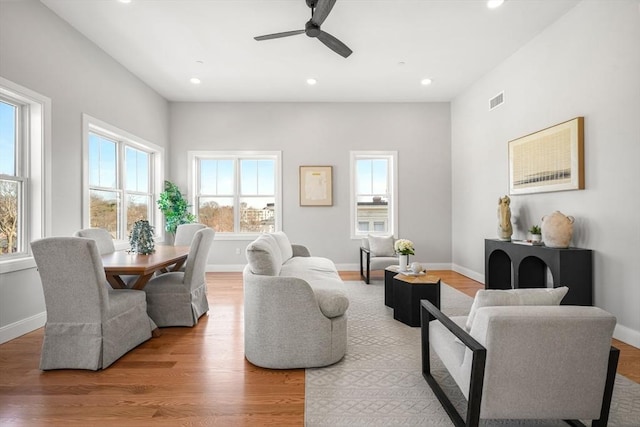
<point x="403" y="262"/>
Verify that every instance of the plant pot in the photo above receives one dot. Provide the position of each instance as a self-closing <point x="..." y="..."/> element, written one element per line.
<point x="536" y="238"/>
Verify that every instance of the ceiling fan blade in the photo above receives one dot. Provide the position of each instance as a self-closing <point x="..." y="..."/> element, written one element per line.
<point x="334" y="44"/>
<point x="323" y="7"/>
<point x="279" y="35"/>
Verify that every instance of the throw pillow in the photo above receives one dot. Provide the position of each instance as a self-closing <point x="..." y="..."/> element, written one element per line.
<point x="284" y="244"/>
<point x="524" y="296"/>
<point x="381" y="246"/>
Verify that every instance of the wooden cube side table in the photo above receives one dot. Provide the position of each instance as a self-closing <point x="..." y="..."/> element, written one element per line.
<point x="407" y="293"/>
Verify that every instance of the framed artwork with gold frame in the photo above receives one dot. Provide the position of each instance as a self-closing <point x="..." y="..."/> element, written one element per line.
<point x="548" y="160"/>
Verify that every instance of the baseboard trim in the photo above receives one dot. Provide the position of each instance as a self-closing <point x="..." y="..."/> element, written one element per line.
<point x="21" y="327"/>
<point x="627" y="335"/>
<point x="469" y="273"/>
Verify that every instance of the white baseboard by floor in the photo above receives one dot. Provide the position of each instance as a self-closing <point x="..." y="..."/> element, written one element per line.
<point x="469" y="273"/>
<point x="627" y="335"/>
<point x="24" y="326"/>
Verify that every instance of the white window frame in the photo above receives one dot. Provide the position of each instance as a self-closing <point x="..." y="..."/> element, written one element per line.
<point x="194" y="156"/>
<point x="392" y="156"/>
<point x="156" y="173"/>
<point x="35" y="158"/>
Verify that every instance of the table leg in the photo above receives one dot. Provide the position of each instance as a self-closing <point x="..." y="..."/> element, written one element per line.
<point x="116" y="282"/>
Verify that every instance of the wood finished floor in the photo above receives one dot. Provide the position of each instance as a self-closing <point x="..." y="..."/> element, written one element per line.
<point x="187" y="376"/>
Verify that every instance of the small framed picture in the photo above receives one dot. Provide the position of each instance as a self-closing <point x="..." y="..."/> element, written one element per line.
<point x="316" y="186"/>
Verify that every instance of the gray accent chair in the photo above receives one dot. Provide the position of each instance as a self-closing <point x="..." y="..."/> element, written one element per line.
<point x="180" y="298"/>
<point x="89" y="325"/>
<point x="525" y="362"/>
<point x="370" y="261"/>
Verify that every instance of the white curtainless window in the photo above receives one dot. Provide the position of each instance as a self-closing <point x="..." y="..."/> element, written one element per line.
<point x="236" y="193"/>
<point x="373" y="193"/>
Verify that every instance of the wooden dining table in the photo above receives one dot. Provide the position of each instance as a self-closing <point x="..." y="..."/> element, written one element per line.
<point x="124" y="263"/>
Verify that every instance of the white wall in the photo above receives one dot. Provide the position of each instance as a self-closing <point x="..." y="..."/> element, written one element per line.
<point x="586" y="64"/>
<point x="41" y="52"/>
<point x="323" y="134"/>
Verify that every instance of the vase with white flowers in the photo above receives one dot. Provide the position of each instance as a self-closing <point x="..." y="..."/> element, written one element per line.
<point x="404" y="248"/>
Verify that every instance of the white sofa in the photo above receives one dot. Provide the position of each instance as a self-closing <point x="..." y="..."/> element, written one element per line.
<point x="295" y="306"/>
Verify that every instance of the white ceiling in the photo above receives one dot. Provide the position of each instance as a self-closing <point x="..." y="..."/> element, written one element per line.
<point x="396" y="43"/>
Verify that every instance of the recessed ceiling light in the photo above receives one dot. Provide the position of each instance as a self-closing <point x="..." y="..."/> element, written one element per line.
<point x="195" y="80"/>
<point x="125" y="1"/>
<point x="492" y="4"/>
<point x="425" y="82"/>
<point x="311" y="82"/>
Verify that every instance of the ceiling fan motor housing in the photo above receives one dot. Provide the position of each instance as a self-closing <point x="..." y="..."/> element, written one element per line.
<point x="311" y="29"/>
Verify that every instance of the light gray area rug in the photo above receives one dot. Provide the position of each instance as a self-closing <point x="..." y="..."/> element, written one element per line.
<point x="379" y="382"/>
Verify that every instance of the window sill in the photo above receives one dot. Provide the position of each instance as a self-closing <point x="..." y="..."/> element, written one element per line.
<point x="17" y="264"/>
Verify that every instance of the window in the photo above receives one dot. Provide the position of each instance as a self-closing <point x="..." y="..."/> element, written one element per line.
<point x="24" y="189"/>
<point x="236" y="193"/>
<point x="373" y="190"/>
<point x="121" y="179"/>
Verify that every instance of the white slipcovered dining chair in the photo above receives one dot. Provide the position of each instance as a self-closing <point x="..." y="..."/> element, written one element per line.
<point x="179" y="298"/>
<point x="103" y="238"/>
<point x="184" y="236"/>
<point x="185" y="233"/>
<point x="89" y="325"/>
<point x="104" y="241"/>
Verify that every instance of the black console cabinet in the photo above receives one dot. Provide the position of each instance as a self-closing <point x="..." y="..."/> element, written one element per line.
<point x="571" y="267"/>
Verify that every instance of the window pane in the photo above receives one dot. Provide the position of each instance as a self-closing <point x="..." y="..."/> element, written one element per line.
<point x="104" y="211"/>
<point x="217" y="213"/>
<point x="9" y="219"/>
<point x="137" y="170"/>
<point x="363" y="177"/>
<point x="363" y="226"/>
<point x="266" y="177"/>
<point x="257" y="214"/>
<point x="379" y="226"/>
<point x="8" y="114"/>
<point x="137" y="208"/>
<point x="249" y="177"/>
<point x="379" y="176"/>
<point x="216" y="177"/>
<point x="102" y="162"/>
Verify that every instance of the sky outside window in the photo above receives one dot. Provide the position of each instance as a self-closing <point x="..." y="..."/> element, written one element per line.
<point x="8" y="114"/>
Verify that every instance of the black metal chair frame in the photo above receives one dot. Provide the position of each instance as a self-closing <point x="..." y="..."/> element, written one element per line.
<point x="366" y="277"/>
<point x="477" y="372"/>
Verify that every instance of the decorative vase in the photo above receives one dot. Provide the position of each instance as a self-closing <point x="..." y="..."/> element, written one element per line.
<point x="536" y="238"/>
<point x="403" y="262"/>
<point x="557" y="230"/>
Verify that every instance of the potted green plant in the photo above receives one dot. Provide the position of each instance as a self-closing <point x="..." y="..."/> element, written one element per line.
<point x="175" y="208"/>
<point x="536" y="233"/>
<point x="141" y="238"/>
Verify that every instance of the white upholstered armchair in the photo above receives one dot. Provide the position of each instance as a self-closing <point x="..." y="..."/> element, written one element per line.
<point x="376" y="253"/>
<point x="525" y="362"/>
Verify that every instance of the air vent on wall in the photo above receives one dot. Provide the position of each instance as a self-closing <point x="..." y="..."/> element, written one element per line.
<point x="496" y="101"/>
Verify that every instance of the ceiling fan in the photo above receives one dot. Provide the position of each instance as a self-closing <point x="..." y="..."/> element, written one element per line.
<point x="319" y="11"/>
